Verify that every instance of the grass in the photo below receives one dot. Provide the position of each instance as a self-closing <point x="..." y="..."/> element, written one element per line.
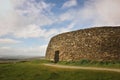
<point x="34" y="70"/>
<point x="86" y="62"/>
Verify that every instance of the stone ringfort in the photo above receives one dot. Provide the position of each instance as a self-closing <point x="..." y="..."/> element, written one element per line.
<point x="98" y="43"/>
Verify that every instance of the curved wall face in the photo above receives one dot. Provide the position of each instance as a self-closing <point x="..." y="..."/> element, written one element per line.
<point x="100" y="43"/>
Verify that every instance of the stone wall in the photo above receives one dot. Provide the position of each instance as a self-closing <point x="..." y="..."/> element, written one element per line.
<point x="100" y="43"/>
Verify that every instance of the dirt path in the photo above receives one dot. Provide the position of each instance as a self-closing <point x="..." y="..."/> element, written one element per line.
<point x="86" y="68"/>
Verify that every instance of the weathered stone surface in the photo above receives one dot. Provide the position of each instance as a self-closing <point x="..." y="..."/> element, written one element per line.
<point x="100" y="43"/>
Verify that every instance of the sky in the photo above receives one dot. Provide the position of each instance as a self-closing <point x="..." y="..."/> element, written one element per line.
<point x="26" y="26"/>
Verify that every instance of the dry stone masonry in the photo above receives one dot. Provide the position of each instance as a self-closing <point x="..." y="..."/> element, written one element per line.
<point x="99" y="43"/>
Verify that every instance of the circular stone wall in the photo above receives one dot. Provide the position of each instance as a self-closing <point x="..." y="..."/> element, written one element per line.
<point x="100" y="43"/>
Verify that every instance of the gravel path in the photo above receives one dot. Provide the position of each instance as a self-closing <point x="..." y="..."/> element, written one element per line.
<point x="85" y="68"/>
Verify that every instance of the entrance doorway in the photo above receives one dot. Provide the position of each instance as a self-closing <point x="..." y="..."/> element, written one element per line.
<point x="56" y="56"/>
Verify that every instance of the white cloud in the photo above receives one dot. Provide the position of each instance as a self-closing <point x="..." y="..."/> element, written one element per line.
<point x="29" y="31"/>
<point x="101" y="12"/>
<point x="35" y="12"/>
<point x="34" y="31"/>
<point x="31" y="51"/>
<point x="39" y="50"/>
<point x="68" y="15"/>
<point x="7" y="17"/>
<point x="20" y="15"/>
<point x="69" y="3"/>
<point x="9" y="41"/>
<point x="26" y="21"/>
<point x="95" y="12"/>
<point x="108" y="12"/>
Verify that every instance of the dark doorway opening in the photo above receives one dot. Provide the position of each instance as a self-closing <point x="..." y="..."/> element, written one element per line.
<point x="56" y="56"/>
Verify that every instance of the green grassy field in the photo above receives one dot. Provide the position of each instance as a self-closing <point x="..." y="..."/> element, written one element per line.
<point x="34" y="70"/>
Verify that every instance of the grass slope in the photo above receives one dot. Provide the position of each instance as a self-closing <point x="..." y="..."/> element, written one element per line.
<point x="36" y="71"/>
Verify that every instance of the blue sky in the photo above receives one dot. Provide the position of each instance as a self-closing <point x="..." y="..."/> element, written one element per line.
<point x="26" y="26"/>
